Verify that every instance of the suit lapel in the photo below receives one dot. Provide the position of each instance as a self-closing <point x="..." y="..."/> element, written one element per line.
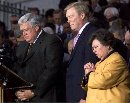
<point x="24" y="51"/>
<point x="35" y="47"/>
<point x="29" y="55"/>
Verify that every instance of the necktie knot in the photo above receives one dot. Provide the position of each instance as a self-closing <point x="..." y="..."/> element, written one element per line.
<point x="59" y="30"/>
<point x="30" y="44"/>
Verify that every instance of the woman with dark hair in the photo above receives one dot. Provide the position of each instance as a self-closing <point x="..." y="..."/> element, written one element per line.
<point x="108" y="81"/>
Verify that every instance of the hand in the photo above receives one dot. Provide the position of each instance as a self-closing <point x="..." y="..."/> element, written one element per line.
<point x="89" y="67"/>
<point x="82" y="101"/>
<point x="24" y="94"/>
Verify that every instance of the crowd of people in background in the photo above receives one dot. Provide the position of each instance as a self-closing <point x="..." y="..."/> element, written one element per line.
<point x="65" y="51"/>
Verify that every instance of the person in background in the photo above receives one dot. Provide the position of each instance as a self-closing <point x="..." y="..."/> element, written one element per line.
<point x="49" y="15"/>
<point x="70" y="46"/>
<point x="77" y="14"/>
<point x="66" y="35"/>
<point x="64" y="3"/>
<point x="127" y="43"/>
<point x="112" y="16"/>
<point x="49" y="28"/>
<point x="39" y="61"/>
<point x="14" y="32"/>
<point x="109" y="79"/>
<point x="34" y="11"/>
<point x="6" y="47"/>
<point x="124" y="13"/>
<point x="13" y="24"/>
<point x="127" y="39"/>
<point x="20" y="39"/>
<point x="3" y="32"/>
<point x="118" y="32"/>
<point x="13" y="21"/>
<point x="6" y="56"/>
<point x="58" y="21"/>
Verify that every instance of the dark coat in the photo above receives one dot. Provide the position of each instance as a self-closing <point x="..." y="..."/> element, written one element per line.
<point x="81" y="54"/>
<point x="41" y="66"/>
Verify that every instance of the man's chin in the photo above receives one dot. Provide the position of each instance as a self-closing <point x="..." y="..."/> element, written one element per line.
<point x="73" y="29"/>
<point x="27" y="40"/>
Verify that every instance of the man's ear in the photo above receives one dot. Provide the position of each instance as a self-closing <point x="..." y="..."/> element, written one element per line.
<point x="37" y="28"/>
<point x="82" y="15"/>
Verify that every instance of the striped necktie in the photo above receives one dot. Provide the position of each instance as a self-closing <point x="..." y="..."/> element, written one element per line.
<point x="76" y="39"/>
<point x="58" y="31"/>
<point x="29" y="47"/>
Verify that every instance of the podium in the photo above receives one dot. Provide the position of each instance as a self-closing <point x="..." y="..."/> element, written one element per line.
<point x="10" y="80"/>
<point x="1" y="93"/>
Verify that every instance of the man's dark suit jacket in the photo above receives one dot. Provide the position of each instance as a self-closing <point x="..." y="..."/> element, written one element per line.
<point x="41" y="66"/>
<point x="81" y="55"/>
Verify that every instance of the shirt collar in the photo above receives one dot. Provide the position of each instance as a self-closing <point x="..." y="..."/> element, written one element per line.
<point x="80" y="31"/>
<point x="38" y="36"/>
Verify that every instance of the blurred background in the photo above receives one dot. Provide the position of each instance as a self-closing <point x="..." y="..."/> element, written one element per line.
<point x="20" y="7"/>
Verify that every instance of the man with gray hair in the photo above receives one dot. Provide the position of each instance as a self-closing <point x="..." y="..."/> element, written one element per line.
<point x="78" y="14"/>
<point x="39" y="60"/>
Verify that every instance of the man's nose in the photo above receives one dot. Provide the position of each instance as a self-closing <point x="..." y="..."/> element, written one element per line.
<point x="68" y="21"/>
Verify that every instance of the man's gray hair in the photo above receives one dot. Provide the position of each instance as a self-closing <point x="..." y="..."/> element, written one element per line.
<point x="80" y="7"/>
<point x="32" y="19"/>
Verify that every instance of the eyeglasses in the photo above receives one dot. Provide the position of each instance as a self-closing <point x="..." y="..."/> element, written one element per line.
<point x="127" y="44"/>
<point x="28" y="30"/>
